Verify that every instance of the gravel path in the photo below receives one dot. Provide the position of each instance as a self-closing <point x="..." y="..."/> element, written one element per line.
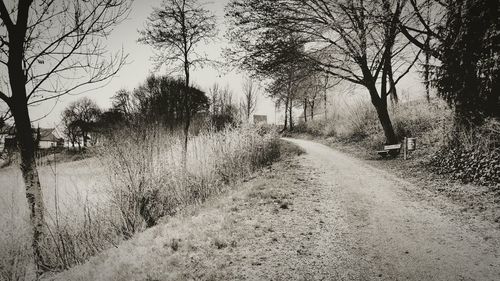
<point x="388" y="234"/>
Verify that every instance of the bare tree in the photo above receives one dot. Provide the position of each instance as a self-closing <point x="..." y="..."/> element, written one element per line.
<point x="175" y="30"/>
<point x="41" y="44"/>
<point x="214" y="93"/>
<point x="223" y="112"/>
<point x="249" y="102"/>
<point x="354" y="40"/>
<point x="80" y="118"/>
<point x="121" y="102"/>
<point x="71" y="130"/>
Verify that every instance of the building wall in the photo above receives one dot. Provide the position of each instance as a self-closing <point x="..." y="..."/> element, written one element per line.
<point x="47" y="144"/>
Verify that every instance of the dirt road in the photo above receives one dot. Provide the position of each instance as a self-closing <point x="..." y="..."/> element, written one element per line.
<point x="388" y="233"/>
<point x="319" y="216"/>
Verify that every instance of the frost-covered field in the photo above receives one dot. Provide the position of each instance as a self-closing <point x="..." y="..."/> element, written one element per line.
<point x="64" y="185"/>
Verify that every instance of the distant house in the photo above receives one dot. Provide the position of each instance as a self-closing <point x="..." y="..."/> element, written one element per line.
<point x="260" y="119"/>
<point x="49" y="138"/>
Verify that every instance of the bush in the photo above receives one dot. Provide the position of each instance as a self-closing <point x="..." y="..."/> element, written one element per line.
<point x="16" y="256"/>
<point x="149" y="181"/>
<point x="472" y="156"/>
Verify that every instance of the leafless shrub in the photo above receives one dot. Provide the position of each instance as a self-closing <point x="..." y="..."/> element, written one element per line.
<point x="73" y="238"/>
<point x="15" y="255"/>
<point x="148" y="180"/>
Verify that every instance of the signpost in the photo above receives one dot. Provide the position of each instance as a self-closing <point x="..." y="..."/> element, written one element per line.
<point x="410" y="144"/>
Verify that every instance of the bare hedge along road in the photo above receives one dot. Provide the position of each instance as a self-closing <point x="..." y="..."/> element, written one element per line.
<point x="388" y="233"/>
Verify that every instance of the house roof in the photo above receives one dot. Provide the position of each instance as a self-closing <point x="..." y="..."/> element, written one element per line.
<point x="48" y="135"/>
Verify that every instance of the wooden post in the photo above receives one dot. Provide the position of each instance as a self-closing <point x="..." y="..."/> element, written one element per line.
<point x="405" y="148"/>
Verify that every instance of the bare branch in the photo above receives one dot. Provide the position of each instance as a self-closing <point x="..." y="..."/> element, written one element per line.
<point x="4" y="15"/>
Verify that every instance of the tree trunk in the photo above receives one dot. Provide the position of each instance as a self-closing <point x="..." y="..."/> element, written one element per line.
<point x="26" y="144"/>
<point x="186" y="136"/>
<point x="187" y="124"/>
<point x="186" y="109"/>
<point x="312" y="109"/>
<point x="427" y="71"/>
<point x="305" y="110"/>
<point x="286" y="115"/>
<point x="385" y="121"/>
<point x="427" y="66"/>
<point x="290" y="114"/>
<point x="84" y="136"/>
<point x="24" y="135"/>
<point x="380" y="105"/>
<point x="325" y="101"/>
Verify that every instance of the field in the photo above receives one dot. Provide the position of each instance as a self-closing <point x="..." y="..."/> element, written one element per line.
<point x="67" y="184"/>
<point x="66" y="187"/>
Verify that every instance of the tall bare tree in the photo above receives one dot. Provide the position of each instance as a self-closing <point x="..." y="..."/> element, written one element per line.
<point x="175" y="30"/>
<point x="249" y="102"/>
<point x="41" y="44"/>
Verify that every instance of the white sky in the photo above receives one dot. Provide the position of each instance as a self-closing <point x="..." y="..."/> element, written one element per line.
<point x="140" y="66"/>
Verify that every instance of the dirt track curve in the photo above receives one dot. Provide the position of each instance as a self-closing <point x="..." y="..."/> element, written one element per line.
<point x="389" y="235"/>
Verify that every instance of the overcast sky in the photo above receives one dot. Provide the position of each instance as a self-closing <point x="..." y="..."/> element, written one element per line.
<point x="140" y="66"/>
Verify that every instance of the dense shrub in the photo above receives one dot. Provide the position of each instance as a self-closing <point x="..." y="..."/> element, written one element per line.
<point x="472" y="156"/>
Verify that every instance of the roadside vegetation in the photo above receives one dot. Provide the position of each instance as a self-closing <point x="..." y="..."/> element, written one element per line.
<point x="142" y="181"/>
<point x="201" y="240"/>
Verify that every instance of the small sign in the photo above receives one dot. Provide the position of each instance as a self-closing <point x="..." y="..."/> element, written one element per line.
<point x="411" y="144"/>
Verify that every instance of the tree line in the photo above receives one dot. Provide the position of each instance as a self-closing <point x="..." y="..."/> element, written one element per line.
<point x="374" y="45"/>
<point x="158" y="101"/>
